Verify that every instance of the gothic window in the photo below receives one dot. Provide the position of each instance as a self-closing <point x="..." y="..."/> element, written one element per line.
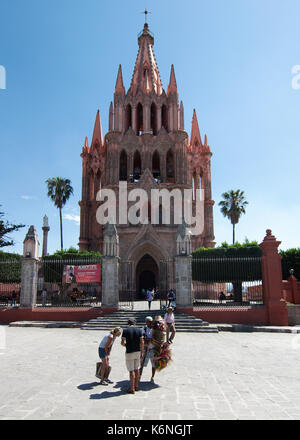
<point x="170" y="167"/>
<point x="139" y="119"/>
<point x="164" y="117"/>
<point x="123" y="166"/>
<point x="153" y="119"/>
<point x="137" y="166"/>
<point x="98" y="184"/>
<point x="91" y="186"/>
<point x="156" y="167"/>
<point x="200" y="184"/>
<point x="128" y="117"/>
<point x="194" y="185"/>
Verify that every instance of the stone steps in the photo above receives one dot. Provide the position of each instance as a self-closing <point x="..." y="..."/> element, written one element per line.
<point x="183" y="322"/>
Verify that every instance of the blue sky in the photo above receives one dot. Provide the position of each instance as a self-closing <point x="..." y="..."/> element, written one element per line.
<point x="233" y="61"/>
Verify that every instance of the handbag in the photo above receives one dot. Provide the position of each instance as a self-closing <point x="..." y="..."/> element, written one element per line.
<point x="98" y="371"/>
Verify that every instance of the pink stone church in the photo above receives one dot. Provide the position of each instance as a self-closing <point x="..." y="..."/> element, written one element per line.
<point x="147" y="146"/>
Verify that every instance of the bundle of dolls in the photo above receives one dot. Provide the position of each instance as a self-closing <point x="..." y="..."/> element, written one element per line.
<point x="163" y="358"/>
<point x="163" y="354"/>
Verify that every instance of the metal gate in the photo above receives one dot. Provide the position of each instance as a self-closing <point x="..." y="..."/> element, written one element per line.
<point x="126" y="285"/>
<point x="10" y="280"/>
<point x="165" y="277"/>
<point x="227" y="281"/>
<point x="58" y="286"/>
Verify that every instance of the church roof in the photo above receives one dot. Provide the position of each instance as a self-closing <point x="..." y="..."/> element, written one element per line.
<point x="146" y="76"/>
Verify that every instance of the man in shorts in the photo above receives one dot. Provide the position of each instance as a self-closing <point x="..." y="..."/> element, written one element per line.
<point x="133" y="340"/>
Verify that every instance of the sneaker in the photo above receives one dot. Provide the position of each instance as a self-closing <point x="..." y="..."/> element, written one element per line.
<point x="103" y="383"/>
<point x="108" y="381"/>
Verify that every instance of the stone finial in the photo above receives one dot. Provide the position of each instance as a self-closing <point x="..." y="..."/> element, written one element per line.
<point x="269" y="235"/>
<point x="120" y="89"/>
<point x="269" y="242"/>
<point x="97" y="134"/>
<point x="195" y="133"/>
<point x="86" y="148"/>
<point x="110" y="230"/>
<point x="31" y="244"/>
<point x="111" y="241"/>
<point x="172" y="87"/>
<point x="45" y="222"/>
<point x="183" y="239"/>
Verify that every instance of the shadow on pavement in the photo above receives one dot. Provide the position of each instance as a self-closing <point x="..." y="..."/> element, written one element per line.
<point x="122" y="386"/>
<point x="88" y="386"/>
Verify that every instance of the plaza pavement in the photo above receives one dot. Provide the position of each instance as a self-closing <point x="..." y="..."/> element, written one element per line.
<point x="49" y="374"/>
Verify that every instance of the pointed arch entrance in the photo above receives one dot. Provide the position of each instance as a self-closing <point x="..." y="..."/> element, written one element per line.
<point x="147" y="274"/>
<point x="150" y="262"/>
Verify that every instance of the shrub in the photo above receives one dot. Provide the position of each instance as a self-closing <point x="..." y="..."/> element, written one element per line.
<point x="290" y="260"/>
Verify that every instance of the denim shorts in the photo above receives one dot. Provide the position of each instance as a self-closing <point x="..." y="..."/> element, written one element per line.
<point x="149" y="357"/>
<point x="102" y="353"/>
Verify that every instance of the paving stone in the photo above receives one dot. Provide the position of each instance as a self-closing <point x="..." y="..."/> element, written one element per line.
<point x="49" y="374"/>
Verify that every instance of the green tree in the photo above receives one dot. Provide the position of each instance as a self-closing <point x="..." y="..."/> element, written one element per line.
<point x="233" y="206"/>
<point x="5" y="229"/>
<point x="59" y="191"/>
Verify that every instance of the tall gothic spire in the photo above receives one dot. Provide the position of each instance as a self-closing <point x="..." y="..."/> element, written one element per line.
<point x="86" y="148"/>
<point x="97" y="135"/>
<point x="172" y="87"/>
<point x="195" y="134"/>
<point x="120" y="89"/>
<point x="146" y="76"/>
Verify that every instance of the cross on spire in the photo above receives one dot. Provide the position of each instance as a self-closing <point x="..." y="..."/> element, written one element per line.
<point x="146" y="12"/>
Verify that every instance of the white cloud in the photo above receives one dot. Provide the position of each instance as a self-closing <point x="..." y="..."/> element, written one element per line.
<point x="28" y="197"/>
<point x="72" y="218"/>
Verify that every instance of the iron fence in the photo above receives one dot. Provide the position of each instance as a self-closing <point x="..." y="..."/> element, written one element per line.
<point x="227" y="281"/>
<point x="58" y="285"/>
<point x="10" y="282"/>
<point x="166" y="275"/>
<point x="127" y="293"/>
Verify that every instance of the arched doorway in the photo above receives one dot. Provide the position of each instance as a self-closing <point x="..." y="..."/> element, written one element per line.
<point x="147" y="274"/>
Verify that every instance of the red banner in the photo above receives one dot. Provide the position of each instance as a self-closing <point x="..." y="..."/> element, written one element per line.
<point x="82" y="274"/>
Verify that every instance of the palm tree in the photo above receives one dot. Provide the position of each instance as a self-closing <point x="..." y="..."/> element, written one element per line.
<point x="59" y="191"/>
<point x="233" y="206"/>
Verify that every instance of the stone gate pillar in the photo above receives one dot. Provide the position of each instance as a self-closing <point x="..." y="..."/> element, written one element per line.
<point x="272" y="281"/>
<point x="183" y="281"/>
<point x="29" y="275"/>
<point x="110" y="282"/>
<point x="183" y="268"/>
<point x="110" y="268"/>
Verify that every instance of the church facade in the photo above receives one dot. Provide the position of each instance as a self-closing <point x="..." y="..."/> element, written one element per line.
<point x="146" y="146"/>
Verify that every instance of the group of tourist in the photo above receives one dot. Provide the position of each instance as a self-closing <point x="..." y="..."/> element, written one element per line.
<point x="151" y="294"/>
<point x="152" y="343"/>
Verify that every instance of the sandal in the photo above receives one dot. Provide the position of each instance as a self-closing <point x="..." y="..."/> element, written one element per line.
<point x="129" y="391"/>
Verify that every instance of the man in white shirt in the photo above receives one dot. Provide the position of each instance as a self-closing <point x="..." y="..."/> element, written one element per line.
<point x="149" y="297"/>
<point x="170" y="323"/>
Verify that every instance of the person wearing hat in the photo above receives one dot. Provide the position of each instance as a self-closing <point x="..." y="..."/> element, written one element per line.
<point x="148" y="350"/>
<point x="170" y="323"/>
<point x="133" y="340"/>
